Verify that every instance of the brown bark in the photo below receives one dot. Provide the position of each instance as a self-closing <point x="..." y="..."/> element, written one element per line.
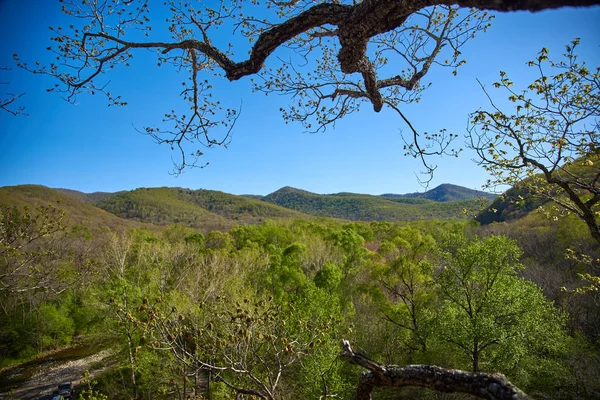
<point x="482" y="385"/>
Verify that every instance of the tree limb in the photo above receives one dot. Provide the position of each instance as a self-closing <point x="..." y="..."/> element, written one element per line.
<point x="482" y="385"/>
<point x="340" y="33"/>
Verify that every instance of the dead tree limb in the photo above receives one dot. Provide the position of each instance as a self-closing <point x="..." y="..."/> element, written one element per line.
<point x="485" y="386"/>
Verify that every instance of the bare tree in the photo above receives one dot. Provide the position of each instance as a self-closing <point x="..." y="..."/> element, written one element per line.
<point x="8" y="102"/>
<point x="252" y="347"/>
<point x="341" y="55"/>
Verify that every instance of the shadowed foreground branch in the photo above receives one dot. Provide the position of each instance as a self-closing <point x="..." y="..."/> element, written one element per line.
<point x="485" y="386"/>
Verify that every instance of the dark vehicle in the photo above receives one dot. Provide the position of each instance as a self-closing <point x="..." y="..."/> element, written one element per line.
<point x="65" y="390"/>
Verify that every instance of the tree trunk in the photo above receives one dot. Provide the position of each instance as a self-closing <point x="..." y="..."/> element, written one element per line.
<point x="132" y="365"/>
<point x="475" y="356"/>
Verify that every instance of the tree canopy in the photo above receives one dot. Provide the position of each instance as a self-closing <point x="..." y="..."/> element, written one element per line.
<point x="341" y="55"/>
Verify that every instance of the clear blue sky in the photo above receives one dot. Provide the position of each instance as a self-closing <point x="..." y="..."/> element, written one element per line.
<point x="92" y="147"/>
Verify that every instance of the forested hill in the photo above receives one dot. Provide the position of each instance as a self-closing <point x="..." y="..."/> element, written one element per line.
<point x="445" y="192"/>
<point x="213" y="210"/>
<point x="518" y="201"/>
<point x="203" y="209"/>
<point x="77" y="210"/>
<point x="364" y="207"/>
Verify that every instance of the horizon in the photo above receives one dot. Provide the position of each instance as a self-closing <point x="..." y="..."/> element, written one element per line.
<point x="91" y="147"/>
<point x="250" y="194"/>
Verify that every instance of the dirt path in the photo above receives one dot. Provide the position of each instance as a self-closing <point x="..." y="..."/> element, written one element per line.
<point x="44" y="382"/>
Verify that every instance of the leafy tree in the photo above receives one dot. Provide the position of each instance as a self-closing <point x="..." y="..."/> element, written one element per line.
<point x="176" y="233"/>
<point x="54" y="325"/>
<point x="548" y="145"/>
<point x="22" y="248"/>
<point x="218" y="241"/>
<point x="284" y="274"/>
<point x="351" y="244"/>
<point x="196" y="239"/>
<point x="492" y="316"/>
<point x="333" y="36"/>
<point x="403" y="287"/>
<point x="329" y="277"/>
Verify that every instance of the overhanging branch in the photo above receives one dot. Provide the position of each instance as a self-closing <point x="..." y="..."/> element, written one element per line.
<point x="340" y="32"/>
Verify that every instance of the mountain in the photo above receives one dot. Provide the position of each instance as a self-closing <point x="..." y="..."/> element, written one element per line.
<point x="445" y="193"/>
<point x="205" y="209"/>
<point x="76" y="207"/>
<point x="213" y="210"/>
<point x="364" y="207"/>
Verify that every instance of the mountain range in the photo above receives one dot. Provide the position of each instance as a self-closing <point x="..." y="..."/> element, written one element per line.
<point x="213" y="210"/>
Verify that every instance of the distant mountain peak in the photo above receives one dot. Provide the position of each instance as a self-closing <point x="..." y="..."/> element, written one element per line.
<point x="289" y="189"/>
<point x="444" y="193"/>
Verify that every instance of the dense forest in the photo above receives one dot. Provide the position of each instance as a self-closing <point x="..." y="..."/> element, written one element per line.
<point x="259" y="309"/>
<point x="196" y="294"/>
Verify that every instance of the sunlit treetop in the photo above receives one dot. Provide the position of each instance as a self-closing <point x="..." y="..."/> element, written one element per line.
<point x="549" y="143"/>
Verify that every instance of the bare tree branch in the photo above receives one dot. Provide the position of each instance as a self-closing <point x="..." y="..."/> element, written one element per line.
<point x="482" y="385"/>
<point x="8" y="102"/>
<point x="334" y="36"/>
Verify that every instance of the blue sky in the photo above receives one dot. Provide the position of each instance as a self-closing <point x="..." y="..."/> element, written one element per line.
<point x="92" y="147"/>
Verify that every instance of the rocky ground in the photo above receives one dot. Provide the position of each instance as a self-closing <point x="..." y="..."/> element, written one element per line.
<point x="43" y="383"/>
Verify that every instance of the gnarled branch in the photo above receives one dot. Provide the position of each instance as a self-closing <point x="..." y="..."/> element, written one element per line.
<point x="339" y="33"/>
<point x="482" y="385"/>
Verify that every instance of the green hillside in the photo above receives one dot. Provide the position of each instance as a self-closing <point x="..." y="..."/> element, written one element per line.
<point x="515" y="203"/>
<point x="205" y="209"/>
<point x="213" y="210"/>
<point x="78" y="211"/>
<point x="518" y="201"/>
<point x="445" y="193"/>
<point x="363" y="207"/>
